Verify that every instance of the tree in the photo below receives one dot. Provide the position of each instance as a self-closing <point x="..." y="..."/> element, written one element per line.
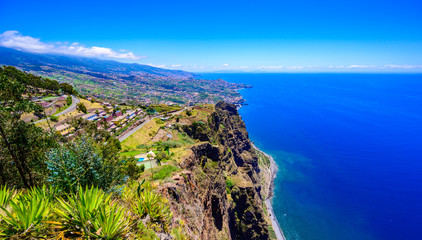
<point x="81" y="107"/>
<point x="160" y="157"/>
<point x="132" y="169"/>
<point x="83" y="162"/>
<point x="69" y="100"/>
<point x="54" y="118"/>
<point x="20" y="143"/>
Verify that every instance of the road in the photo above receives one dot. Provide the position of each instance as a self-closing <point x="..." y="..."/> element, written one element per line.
<point x="123" y="137"/>
<point x="70" y="109"/>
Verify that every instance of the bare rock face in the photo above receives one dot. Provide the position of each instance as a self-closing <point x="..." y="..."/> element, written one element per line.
<point x="199" y="195"/>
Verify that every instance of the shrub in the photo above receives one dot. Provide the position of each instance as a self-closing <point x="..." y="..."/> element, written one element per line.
<point x="69" y="100"/>
<point x="80" y="163"/>
<point x="229" y="185"/>
<point x="132" y="169"/>
<point x="25" y="215"/>
<point x="152" y="204"/>
<point x="54" y="118"/>
<point x="91" y="212"/>
<point x="5" y="196"/>
<point x="81" y="107"/>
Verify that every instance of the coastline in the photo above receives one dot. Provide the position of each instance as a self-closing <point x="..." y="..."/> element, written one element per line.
<point x="270" y="192"/>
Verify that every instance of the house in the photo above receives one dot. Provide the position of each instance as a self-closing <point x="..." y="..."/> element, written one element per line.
<point x="118" y="113"/>
<point x="108" y="118"/>
<point x="130" y="114"/>
<point x="64" y="129"/>
<point x="90" y="117"/>
<point x="119" y="119"/>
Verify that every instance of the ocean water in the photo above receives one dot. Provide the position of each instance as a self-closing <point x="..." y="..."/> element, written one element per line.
<point x="349" y="149"/>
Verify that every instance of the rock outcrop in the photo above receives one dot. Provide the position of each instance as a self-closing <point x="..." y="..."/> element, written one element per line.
<point x="218" y="193"/>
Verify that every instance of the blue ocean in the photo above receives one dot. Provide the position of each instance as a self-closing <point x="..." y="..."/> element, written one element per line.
<point x="349" y="151"/>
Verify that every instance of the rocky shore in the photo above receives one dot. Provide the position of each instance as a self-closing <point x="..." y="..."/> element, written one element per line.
<point x="270" y="192"/>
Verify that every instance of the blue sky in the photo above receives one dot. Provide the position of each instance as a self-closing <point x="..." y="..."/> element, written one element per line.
<point x="286" y="36"/>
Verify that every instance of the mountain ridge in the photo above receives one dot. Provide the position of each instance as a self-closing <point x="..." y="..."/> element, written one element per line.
<point x="30" y="61"/>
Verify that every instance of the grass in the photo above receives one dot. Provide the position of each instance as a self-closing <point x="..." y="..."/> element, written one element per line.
<point x="142" y="136"/>
<point x="130" y="153"/>
<point x="48" y="98"/>
<point x="90" y="105"/>
<point x="164" y="172"/>
<point x="161" y="108"/>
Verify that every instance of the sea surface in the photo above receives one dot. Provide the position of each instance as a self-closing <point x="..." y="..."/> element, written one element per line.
<point x="349" y="151"/>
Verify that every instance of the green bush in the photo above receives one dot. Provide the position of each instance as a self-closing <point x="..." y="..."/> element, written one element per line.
<point x="81" y="107"/>
<point x="54" y="118"/>
<point x="92" y="212"/>
<point x="25" y="215"/>
<point x="80" y="162"/>
<point x="132" y="169"/>
<point x="152" y="204"/>
<point x="69" y="100"/>
<point x="229" y="185"/>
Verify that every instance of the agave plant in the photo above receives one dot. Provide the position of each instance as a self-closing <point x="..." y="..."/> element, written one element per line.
<point x="90" y="213"/>
<point x="5" y="196"/>
<point x="25" y="215"/>
<point x="152" y="204"/>
<point x="110" y="222"/>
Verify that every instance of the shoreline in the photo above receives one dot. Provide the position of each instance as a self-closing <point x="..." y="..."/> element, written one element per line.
<point x="270" y="192"/>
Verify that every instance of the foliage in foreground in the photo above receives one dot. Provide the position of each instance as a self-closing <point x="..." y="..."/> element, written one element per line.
<point x="90" y="213"/>
<point x="80" y="162"/>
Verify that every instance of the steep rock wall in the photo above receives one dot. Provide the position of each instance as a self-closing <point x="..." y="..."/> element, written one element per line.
<point x="200" y="195"/>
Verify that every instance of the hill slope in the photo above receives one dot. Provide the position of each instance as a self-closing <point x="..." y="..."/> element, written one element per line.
<point x="123" y="82"/>
<point x="34" y="62"/>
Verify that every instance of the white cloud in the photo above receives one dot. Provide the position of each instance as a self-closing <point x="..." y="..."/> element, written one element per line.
<point x="225" y="65"/>
<point x="157" y="66"/>
<point x="15" y="40"/>
<point x="392" y="66"/>
<point x="271" y="67"/>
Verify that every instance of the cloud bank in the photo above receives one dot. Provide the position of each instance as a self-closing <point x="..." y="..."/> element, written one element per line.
<point x="15" y="40"/>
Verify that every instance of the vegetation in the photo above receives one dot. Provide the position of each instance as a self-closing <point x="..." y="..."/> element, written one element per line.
<point x="54" y="118"/>
<point x="90" y="213"/>
<point x="229" y="185"/>
<point x="81" y="107"/>
<point x="35" y="81"/>
<point x="21" y="144"/>
<point x="69" y="100"/>
<point x="80" y="163"/>
<point x="164" y="172"/>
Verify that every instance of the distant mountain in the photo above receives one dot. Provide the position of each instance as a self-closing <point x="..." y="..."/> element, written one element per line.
<point x="33" y="62"/>
<point x="123" y="82"/>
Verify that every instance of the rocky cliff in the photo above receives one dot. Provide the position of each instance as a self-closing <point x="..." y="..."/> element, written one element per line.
<point x="220" y="192"/>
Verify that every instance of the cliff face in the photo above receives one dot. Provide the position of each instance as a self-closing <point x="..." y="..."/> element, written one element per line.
<point x="219" y="194"/>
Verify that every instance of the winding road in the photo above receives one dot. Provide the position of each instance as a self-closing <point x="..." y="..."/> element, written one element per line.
<point x="70" y="109"/>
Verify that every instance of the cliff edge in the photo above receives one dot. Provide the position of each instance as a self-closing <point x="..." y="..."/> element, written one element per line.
<point x="223" y="183"/>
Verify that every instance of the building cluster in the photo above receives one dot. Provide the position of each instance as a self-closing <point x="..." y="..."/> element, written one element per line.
<point x="112" y="121"/>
